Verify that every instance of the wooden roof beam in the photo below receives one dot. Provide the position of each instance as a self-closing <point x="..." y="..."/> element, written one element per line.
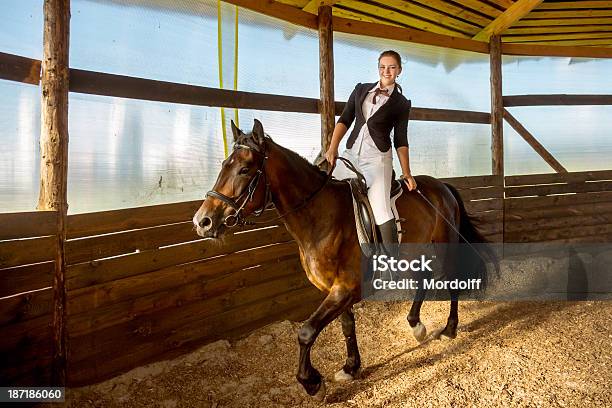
<point x="564" y="5"/>
<point x="282" y="11"/>
<point x="503" y="3"/>
<point x="558" y="50"/>
<point x="514" y="13"/>
<point x="296" y="16"/>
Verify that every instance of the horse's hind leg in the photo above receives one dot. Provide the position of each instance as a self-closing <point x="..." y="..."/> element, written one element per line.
<point x="453" y="317"/>
<point x="353" y="360"/>
<point x="419" y="331"/>
<point x="336" y="302"/>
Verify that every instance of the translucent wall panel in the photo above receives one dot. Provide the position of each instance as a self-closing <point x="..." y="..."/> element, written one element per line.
<point x="128" y="153"/>
<point x="579" y="137"/>
<point x="21" y="29"/>
<point x="276" y="57"/>
<point x="300" y="132"/>
<point x="178" y="42"/>
<point x="19" y="152"/>
<point x="555" y="75"/>
<point x="443" y="149"/>
<point x="432" y="77"/>
<point x="168" y="41"/>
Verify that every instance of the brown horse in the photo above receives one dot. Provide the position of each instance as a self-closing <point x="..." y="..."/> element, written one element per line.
<point x="318" y="213"/>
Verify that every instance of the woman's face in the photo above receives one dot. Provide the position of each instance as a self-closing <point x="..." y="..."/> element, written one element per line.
<point x="388" y="70"/>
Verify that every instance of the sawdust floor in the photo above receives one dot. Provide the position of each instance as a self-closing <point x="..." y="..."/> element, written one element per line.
<point x="523" y="354"/>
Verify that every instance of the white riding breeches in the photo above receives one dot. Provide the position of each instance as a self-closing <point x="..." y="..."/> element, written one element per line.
<point x="377" y="168"/>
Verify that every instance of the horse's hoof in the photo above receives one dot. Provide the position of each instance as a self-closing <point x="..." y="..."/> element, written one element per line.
<point x="320" y="395"/>
<point x="419" y="332"/>
<point x="343" y="376"/>
<point x="445" y="335"/>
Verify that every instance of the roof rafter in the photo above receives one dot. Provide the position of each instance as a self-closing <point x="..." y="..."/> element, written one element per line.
<point x="562" y="5"/>
<point x="514" y="13"/>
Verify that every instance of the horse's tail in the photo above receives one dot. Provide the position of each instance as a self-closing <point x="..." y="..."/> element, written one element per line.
<point x="473" y="262"/>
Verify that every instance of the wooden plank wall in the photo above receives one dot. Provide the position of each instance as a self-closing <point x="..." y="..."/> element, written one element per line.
<point x="559" y="207"/>
<point x="142" y="286"/>
<point x="27" y="250"/>
<point x="483" y="197"/>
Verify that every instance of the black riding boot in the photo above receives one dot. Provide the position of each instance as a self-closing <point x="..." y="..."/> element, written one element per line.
<point x="388" y="236"/>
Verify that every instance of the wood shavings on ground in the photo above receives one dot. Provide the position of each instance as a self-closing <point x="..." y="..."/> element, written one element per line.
<point x="520" y="354"/>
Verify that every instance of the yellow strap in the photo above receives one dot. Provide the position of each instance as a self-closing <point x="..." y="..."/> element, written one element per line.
<point x="220" y="50"/>
<point x="236" y="64"/>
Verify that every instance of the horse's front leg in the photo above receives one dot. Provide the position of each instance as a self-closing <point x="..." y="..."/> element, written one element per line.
<point x="337" y="301"/>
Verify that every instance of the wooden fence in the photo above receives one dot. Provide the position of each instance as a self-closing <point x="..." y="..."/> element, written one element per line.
<point x="27" y="253"/>
<point x="561" y="207"/>
<point x="142" y="286"/>
<point x="483" y="197"/>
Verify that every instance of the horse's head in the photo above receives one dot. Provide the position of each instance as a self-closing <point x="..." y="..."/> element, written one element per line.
<point x="240" y="189"/>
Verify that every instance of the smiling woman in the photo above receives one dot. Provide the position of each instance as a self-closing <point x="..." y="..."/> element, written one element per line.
<point x="432" y="77"/>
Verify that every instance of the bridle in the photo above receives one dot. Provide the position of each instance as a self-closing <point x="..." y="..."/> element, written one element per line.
<point x="236" y="218"/>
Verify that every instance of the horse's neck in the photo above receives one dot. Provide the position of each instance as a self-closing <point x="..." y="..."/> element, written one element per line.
<point x="292" y="181"/>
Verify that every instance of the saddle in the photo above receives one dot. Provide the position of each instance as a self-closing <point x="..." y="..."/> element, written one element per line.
<point x="367" y="230"/>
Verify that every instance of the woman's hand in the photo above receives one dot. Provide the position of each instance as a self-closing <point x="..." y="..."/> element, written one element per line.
<point x="410" y="182"/>
<point x="330" y="156"/>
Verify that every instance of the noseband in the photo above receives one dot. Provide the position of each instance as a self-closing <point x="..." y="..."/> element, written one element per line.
<point x="236" y="218"/>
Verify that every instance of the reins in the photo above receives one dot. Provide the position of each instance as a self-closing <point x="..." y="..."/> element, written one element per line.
<point x="237" y="219"/>
<point x="306" y="201"/>
<point x="450" y="224"/>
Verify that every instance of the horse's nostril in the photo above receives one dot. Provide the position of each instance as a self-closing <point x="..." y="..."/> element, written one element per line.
<point x="206" y="223"/>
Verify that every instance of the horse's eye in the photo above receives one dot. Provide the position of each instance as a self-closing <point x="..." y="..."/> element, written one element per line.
<point x="244" y="170"/>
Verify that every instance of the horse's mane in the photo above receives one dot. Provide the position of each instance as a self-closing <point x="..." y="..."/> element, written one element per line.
<point x="296" y="158"/>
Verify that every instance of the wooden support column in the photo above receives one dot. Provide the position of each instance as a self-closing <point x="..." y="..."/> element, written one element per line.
<point x="497" y="107"/>
<point x="326" y="75"/>
<point x="54" y="159"/>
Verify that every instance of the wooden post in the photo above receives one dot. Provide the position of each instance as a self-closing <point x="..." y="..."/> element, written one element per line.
<point x="326" y="75"/>
<point x="497" y="107"/>
<point x="54" y="159"/>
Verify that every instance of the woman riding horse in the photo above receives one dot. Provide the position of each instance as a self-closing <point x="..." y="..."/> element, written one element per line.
<point x="379" y="108"/>
<point x="317" y="212"/>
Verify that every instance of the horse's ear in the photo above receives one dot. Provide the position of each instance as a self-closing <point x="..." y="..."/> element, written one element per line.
<point x="236" y="132"/>
<point x="258" y="132"/>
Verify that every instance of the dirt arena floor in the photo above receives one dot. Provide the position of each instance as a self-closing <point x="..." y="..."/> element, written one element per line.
<point x="520" y="354"/>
